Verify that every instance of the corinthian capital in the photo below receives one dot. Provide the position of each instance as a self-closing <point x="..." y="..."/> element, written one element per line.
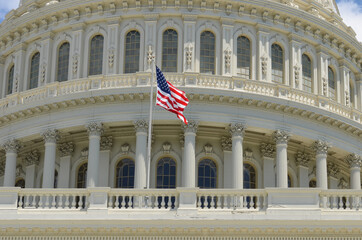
<point x="237" y="129"/>
<point x="320" y="147"/>
<point x="51" y="135"/>
<point x="12" y="146"/>
<point x="302" y="159"/>
<point x="332" y="169"/>
<point x="141" y="125"/>
<point x="280" y="136"/>
<point x="191" y="127"/>
<point x="95" y="128"/>
<point x="32" y="158"/>
<point x="267" y="150"/>
<point x="66" y="149"/>
<point x="354" y="160"/>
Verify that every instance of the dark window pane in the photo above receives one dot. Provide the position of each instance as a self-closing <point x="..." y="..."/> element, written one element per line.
<point x="169" y="51"/>
<point x="34" y="71"/>
<point x="132" y="52"/>
<point x="10" y="80"/>
<point x="96" y="55"/>
<point x="63" y="62"/>
<point x="207" y="52"/>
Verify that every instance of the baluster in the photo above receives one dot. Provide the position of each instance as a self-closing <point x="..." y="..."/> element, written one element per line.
<point x="212" y="203"/>
<point x="26" y="198"/>
<point x="66" y="203"/>
<point x="257" y="206"/>
<point x="228" y="201"/>
<point x="176" y="201"/>
<point x="334" y="203"/>
<point x="329" y="201"/>
<point x="20" y="202"/>
<point x="251" y="205"/>
<point x="110" y="201"/>
<point x="73" y="201"/>
<point x="40" y="204"/>
<point x="81" y="203"/>
<point x="169" y="203"/>
<point x="347" y="202"/>
<point x="162" y="201"/>
<point x="198" y="198"/>
<point x="265" y="202"/>
<point x="124" y="201"/>
<point x="340" y="204"/>
<point x="54" y="199"/>
<point x="244" y="202"/>
<point x="47" y="204"/>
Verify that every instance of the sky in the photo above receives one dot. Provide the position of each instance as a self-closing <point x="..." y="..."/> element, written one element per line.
<point x="350" y="10"/>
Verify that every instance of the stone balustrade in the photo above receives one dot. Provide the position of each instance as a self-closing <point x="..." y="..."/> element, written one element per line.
<point x="37" y="97"/>
<point x="178" y="199"/>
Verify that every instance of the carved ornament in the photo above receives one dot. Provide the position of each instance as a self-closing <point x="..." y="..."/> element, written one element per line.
<point x="267" y="150"/>
<point x="32" y="158"/>
<point x="166" y="147"/>
<point x="141" y="125"/>
<point x="12" y="146"/>
<point x="66" y="149"/>
<point x="226" y="144"/>
<point x="237" y="129"/>
<point x="302" y="159"/>
<point x="320" y="147"/>
<point x="281" y="137"/>
<point x="95" y="128"/>
<point x="354" y="160"/>
<point x="191" y="127"/>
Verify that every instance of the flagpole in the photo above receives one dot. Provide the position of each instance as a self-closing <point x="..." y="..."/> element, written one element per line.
<point x="150" y="126"/>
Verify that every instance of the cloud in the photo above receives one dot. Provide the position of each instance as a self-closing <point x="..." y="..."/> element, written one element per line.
<point x="351" y="12"/>
<point x="6" y="6"/>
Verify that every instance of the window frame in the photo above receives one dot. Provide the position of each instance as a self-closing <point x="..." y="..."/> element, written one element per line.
<point x="116" y="171"/>
<point x="164" y="69"/>
<point x="37" y="70"/>
<point x="169" y="176"/>
<point x="282" y="63"/>
<point x="125" y="52"/>
<point x="90" y="55"/>
<point x="10" y="84"/>
<point x="217" y="172"/>
<point x="57" y="62"/>
<point x="213" y="72"/>
<point x="237" y="56"/>
<point x="304" y="77"/>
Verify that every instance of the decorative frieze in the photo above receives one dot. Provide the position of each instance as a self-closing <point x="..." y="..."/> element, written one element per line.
<point x="166" y="147"/>
<point x="106" y="143"/>
<point x="208" y="148"/>
<point x="141" y="125"/>
<point x="332" y="169"/>
<point x="12" y="146"/>
<point x="237" y="129"/>
<point x="281" y="136"/>
<point x="191" y="127"/>
<point x="302" y="159"/>
<point x="95" y="128"/>
<point x="226" y="144"/>
<point x="354" y="160"/>
<point x="51" y="136"/>
<point x="32" y="158"/>
<point x="320" y="147"/>
<point x="66" y="149"/>
<point x="267" y="150"/>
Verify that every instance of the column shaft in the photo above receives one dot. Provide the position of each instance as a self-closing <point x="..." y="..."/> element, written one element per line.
<point x="141" y="158"/>
<point x="321" y="171"/>
<point x="188" y="163"/>
<point x="282" y="166"/>
<point x="93" y="161"/>
<point x="49" y="165"/>
<point x="356" y="178"/>
<point x="237" y="162"/>
<point x="10" y="169"/>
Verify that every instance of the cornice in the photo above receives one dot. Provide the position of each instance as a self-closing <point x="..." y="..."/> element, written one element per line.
<point x="302" y="22"/>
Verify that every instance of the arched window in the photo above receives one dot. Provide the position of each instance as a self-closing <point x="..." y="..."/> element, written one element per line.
<point x="20" y="183"/>
<point x="243" y="56"/>
<point x="207" y="52"/>
<point x="34" y="70"/>
<point x="277" y="63"/>
<point x="82" y="176"/>
<point x="307" y="73"/>
<point x="96" y="55"/>
<point x="63" y="62"/>
<point x="169" y="51"/>
<point x="207" y="174"/>
<point x="331" y="84"/>
<point x="132" y="52"/>
<point x="290" y="183"/>
<point x="166" y="173"/>
<point x="10" y="80"/>
<point x="249" y="176"/>
<point x="312" y="183"/>
<point x="125" y="173"/>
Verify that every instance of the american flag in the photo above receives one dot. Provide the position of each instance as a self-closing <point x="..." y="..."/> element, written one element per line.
<point x="169" y="97"/>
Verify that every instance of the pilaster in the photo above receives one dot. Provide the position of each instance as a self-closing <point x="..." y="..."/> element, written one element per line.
<point x="295" y="64"/>
<point x="322" y="66"/>
<point x="267" y="151"/>
<point x="66" y="150"/>
<point x="332" y="171"/>
<point x="263" y="56"/>
<point x="31" y="161"/>
<point x="19" y="72"/>
<point x="302" y="160"/>
<point x="189" y="44"/>
<point x="45" y="60"/>
<point x="77" y="52"/>
<point x="104" y="158"/>
<point x="113" y="48"/>
<point x="150" y="41"/>
<point x="226" y="145"/>
<point x="227" y="49"/>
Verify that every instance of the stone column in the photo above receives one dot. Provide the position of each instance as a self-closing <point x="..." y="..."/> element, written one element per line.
<point x="95" y="130"/>
<point x="31" y="161"/>
<point x="267" y="151"/>
<point x="332" y="170"/>
<point x="141" y="128"/>
<point x="302" y="160"/>
<point x="66" y="150"/>
<point x="321" y="149"/>
<point x="51" y="136"/>
<point x="237" y="131"/>
<point x="281" y="138"/>
<point x="188" y="162"/>
<point x="106" y="145"/>
<point x="11" y="148"/>
<point x="355" y="162"/>
<point x="226" y="145"/>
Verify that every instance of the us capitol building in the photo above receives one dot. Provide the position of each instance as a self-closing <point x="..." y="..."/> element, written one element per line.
<point x="274" y="141"/>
